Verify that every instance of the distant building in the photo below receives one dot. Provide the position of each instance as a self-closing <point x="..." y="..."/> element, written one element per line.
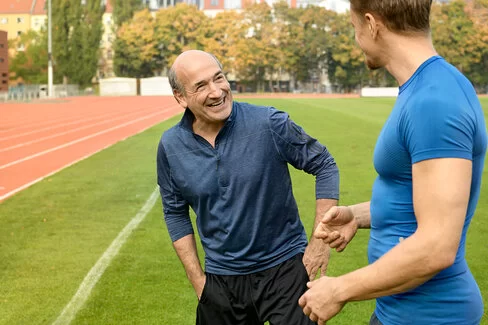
<point x="15" y="16"/>
<point x="339" y="6"/>
<point x="3" y="61"/>
<point x="38" y="14"/>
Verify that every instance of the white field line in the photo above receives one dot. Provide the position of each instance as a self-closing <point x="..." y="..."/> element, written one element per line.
<point x="66" y="132"/>
<point x="97" y="117"/>
<point x="79" y="140"/>
<point x="96" y="272"/>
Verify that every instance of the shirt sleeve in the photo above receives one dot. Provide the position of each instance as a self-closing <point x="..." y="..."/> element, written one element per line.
<point x="437" y="128"/>
<point x="305" y="153"/>
<point x="175" y="208"/>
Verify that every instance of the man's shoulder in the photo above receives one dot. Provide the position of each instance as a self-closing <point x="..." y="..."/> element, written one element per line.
<point x="252" y="111"/>
<point x="171" y="134"/>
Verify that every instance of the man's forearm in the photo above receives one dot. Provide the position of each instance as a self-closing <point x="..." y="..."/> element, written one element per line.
<point x="186" y="250"/>
<point x="361" y="213"/>
<point x="404" y="267"/>
<point x="321" y="207"/>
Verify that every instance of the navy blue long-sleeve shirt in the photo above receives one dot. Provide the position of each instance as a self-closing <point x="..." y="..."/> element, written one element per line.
<point x="241" y="190"/>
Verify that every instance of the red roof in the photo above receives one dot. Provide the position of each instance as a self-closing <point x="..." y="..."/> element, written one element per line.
<point x="34" y="7"/>
<point x="40" y="7"/>
<point x="15" y="6"/>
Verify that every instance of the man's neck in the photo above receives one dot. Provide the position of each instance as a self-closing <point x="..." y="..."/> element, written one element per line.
<point x="207" y="131"/>
<point x="406" y="54"/>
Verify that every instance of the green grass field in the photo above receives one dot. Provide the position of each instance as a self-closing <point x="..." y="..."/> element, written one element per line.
<point x="54" y="232"/>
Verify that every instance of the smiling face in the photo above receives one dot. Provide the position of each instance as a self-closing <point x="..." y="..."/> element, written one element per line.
<point x="205" y="90"/>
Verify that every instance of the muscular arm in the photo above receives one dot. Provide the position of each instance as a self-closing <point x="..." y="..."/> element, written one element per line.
<point x="441" y="190"/>
<point x="186" y="250"/>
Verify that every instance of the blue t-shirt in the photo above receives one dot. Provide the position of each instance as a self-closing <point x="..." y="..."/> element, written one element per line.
<point x="240" y="190"/>
<point x="437" y="115"/>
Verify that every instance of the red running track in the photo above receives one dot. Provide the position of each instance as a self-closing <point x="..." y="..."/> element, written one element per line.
<point x="39" y="139"/>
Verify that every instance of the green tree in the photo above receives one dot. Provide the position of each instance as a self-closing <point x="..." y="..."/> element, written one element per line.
<point x="316" y="22"/>
<point x="479" y="71"/>
<point x="124" y="10"/>
<point x="30" y="64"/>
<point x="76" y="39"/>
<point x="345" y="63"/>
<point x="139" y="58"/>
<point x="179" y="29"/>
<point x="462" y="41"/>
<point x="62" y="18"/>
<point x="255" y="55"/>
<point x="221" y="34"/>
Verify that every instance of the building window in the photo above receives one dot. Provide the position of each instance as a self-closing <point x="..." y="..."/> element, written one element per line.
<point x="214" y="3"/>
<point x="19" y="33"/>
<point x="20" y="47"/>
<point x="4" y="75"/>
<point x="1" y="46"/>
<point x="4" y="20"/>
<point x="20" y="20"/>
<point x="1" y="60"/>
<point x="4" y="81"/>
<point x="109" y="55"/>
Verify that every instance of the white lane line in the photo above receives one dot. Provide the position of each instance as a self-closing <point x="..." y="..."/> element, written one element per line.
<point x="66" y="132"/>
<point x="80" y="140"/>
<point x="91" y="279"/>
<point x="76" y="121"/>
<point x="18" y="189"/>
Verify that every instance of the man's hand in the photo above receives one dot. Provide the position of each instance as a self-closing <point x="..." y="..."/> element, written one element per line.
<point x="316" y="257"/>
<point x="320" y="303"/>
<point x="337" y="227"/>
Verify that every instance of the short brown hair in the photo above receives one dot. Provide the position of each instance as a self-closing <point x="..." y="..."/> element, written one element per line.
<point x="405" y="16"/>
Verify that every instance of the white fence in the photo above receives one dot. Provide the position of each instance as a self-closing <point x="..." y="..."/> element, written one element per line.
<point x="379" y="92"/>
<point x="118" y="87"/>
<point x="155" y="86"/>
<point x="32" y="92"/>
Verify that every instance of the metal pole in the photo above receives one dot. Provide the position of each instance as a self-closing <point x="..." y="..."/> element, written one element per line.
<point x="49" y="52"/>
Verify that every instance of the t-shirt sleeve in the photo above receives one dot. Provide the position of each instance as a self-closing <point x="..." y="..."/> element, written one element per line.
<point x="437" y="128"/>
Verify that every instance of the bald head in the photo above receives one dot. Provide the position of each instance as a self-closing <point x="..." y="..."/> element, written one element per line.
<point x="183" y="63"/>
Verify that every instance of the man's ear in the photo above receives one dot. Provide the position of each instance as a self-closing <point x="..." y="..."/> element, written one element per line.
<point x="372" y="25"/>
<point x="180" y="98"/>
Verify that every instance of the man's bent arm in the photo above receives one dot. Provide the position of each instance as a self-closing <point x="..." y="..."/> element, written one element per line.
<point x="186" y="250"/>
<point x="440" y="205"/>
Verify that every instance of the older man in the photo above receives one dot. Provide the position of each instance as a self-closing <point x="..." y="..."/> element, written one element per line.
<point x="228" y="161"/>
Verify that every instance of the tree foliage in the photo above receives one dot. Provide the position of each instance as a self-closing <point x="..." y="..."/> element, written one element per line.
<point x="77" y="31"/>
<point x="258" y="46"/>
<point x="178" y="29"/>
<point x="139" y="55"/>
<point x="30" y="64"/>
<point x="124" y="10"/>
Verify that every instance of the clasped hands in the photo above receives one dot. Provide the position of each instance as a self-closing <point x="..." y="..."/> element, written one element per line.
<point x="323" y="300"/>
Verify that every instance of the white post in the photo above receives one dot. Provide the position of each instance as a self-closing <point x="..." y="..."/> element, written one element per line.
<point x="49" y="52"/>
